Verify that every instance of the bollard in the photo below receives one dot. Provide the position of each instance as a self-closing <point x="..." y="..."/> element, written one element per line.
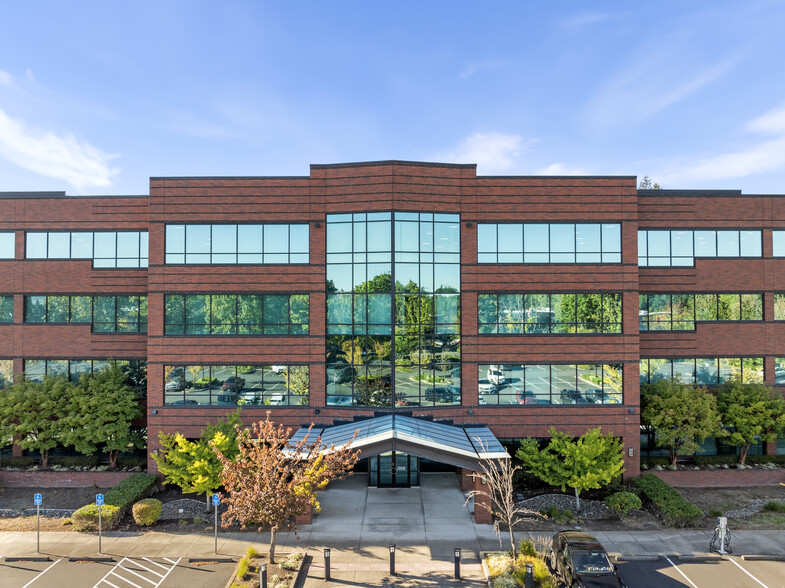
<point x="529" y="575"/>
<point x="327" y="565"/>
<point x="457" y="554"/>
<point x="392" y="559"/>
<point x="262" y="575"/>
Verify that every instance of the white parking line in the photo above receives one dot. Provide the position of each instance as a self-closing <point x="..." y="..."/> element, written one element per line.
<point x="115" y="572"/>
<point x="746" y="572"/>
<point x="42" y="573"/>
<point x="682" y="573"/>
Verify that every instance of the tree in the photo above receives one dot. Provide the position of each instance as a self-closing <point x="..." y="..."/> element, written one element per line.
<point x="193" y="465"/>
<point x="750" y="412"/>
<point x="646" y="184"/>
<point x="101" y="410"/>
<point x="590" y="461"/>
<point x="500" y="497"/>
<point x="33" y="412"/>
<point x="681" y="415"/>
<point x="272" y="479"/>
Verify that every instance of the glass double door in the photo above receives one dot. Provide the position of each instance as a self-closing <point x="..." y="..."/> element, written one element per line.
<point x="394" y="470"/>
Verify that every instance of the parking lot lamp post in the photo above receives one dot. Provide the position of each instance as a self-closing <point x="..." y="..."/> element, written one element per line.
<point x="392" y="559"/>
<point x="529" y="575"/>
<point x="263" y="575"/>
<point x="457" y="554"/>
<point x="327" y="564"/>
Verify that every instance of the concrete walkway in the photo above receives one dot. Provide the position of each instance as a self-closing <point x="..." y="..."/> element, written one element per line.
<point x="358" y="523"/>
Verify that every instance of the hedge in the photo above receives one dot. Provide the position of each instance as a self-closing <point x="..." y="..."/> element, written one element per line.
<point x="86" y="518"/>
<point x="672" y="507"/>
<point x="17" y="461"/>
<point x="76" y="461"/>
<point x="146" y="511"/>
<point x="132" y="489"/>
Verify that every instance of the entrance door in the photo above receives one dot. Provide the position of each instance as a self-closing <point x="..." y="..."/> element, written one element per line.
<point x="394" y="470"/>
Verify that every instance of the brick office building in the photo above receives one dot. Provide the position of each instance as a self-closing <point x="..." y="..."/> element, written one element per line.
<point x="519" y="303"/>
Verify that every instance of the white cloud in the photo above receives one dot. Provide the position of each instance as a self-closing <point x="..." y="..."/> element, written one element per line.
<point x="61" y="157"/>
<point x="561" y="169"/>
<point x="5" y="79"/>
<point x="492" y="152"/>
<point x="764" y="156"/>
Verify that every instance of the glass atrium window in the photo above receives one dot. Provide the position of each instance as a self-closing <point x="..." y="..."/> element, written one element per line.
<point x="237" y="244"/>
<point x="549" y="243"/>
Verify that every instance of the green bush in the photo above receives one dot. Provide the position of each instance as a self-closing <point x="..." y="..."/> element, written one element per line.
<point x="205" y="382"/>
<point x="79" y="461"/>
<point x="526" y="547"/>
<point x="778" y="459"/>
<point x="132" y="489"/>
<point x="20" y="461"/>
<point x="132" y="462"/>
<point x="622" y="502"/>
<point x="716" y="460"/>
<point x="774" y="506"/>
<point x="655" y="461"/>
<point x="86" y="518"/>
<point x="672" y="507"/>
<point x="146" y="511"/>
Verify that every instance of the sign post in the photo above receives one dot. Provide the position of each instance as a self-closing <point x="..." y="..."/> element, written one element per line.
<point x="38" y="499"/>
<point x="99" y="500"/>
<point x="216" y="502"/>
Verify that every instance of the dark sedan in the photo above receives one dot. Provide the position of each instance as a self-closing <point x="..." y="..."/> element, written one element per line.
<point x="580" y="561"/>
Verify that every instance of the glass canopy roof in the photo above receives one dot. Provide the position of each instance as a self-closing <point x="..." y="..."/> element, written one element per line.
<point x="456" y="445"/>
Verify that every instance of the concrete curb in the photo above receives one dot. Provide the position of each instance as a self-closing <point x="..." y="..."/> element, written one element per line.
<point x="696" y="556"/>
<point x="636" y="558"/>
<point x="763" y="557"/>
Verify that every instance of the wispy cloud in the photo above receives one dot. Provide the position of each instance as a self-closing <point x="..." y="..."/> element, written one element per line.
<point x="492" y="152"/>
<point x="764" y="156"/>
<point x="472" y="68"/>
<point x="5" y="79"/>
<point x="55" y="156"/>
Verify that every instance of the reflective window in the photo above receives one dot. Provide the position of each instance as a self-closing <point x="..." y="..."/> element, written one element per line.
<point x="7" y="245"/>
<point x="233" y="244"/>
<point x="6" y="309"/>
<point x="549" y="243"/>
<point x="6" y="372"/>
<point x="681" y="247"/>
<point x="779" y="371"/>
<point x="778" y="240"/>
<point x="550" y="384"/>
<point x="37" y="369"/>
<point x="236" y="385"/>
<point x="679" y="312"/>
<point x="549" y="313"/>
<point x="128" y="249"/>
<point x="107" y="314"/>
<point x="703" y="371"/>
<point x="236" y="314"/>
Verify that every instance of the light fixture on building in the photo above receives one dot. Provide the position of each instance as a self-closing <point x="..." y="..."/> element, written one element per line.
<point x="630" y="451"/>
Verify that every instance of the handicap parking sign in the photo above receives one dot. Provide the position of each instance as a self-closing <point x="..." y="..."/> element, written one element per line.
<point x="38" y="499"/>
<point x="216" y="500"/>
<point x="99" y="499"/>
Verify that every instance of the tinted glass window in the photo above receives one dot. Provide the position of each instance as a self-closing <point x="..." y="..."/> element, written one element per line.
<point x="7" y="245"/>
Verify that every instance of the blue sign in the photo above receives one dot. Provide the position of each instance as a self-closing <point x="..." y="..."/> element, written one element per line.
<point x="216" y="500"/>
<point x="38" y="499"/>
<point x="99" y="499"/>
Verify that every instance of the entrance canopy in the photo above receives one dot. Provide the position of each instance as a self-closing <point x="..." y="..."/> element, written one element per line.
<point x="462" y="446"/>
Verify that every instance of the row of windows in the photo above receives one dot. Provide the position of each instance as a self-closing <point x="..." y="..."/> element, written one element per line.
<point x="680" y="248"/>
<point x="549" y="243"/>
<point x="106" y="249"/>
<point x="233" y="314"/>
<point x="255" y="385"/>
<point x="108" y="314"/>
<point x="232" y="244"/>
<point x="36" y="369"/>
<point x="414" y="313"/>
<point x="679" y="312"/>
<point x="550" y="384"/>
<point x="703" y="371"/>
<point x="6" y="309"/>
<point x="549" y="313"/>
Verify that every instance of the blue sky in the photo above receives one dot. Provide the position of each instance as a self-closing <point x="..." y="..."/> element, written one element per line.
<point x="96" y="97"/>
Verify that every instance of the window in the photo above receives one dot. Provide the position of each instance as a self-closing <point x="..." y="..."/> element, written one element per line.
<point x="6" y="372"/>
<point x="7" y="245"/>
<point x="549" y="313"/>
<point x="6" y="309"/>
<point x="703" y="371"/>
<point x="528" y="384"/>
<point x="236" y="385"/>
<point x="107" y="314"/>
<point x="236" y="314"/>
<point x="37" y="369"/>
<point x="121" y="249"/>
<point x="233" y="244"/>
<point x="679" y="312"/>
<point x="779" y="371"/>
<point x="549" y="243"/>
<point x="681" y="247"/>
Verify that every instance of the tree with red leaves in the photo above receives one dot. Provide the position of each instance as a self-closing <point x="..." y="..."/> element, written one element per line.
<point x="273" y="480"/>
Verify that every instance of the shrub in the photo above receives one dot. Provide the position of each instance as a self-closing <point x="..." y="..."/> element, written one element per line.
<point x="527" y="548"/>
<point x="622" y="502"/>
<point x="86" y="518"/>
<point x="242" y="568"/>
<point x="778" y="459"/>
<point x="716" y="460"/>
<point x="540" y="571"/>
<point x="292" y="562"/>
<point x="672" y="507"/>
<point x="774" y="506"/>
<point x="655" y="461"/>
<point x="79" y="461"/>
<point x="19" y="461"/>
<point x="132" y="462"/>
<point x="715" y="513"/>
<point x="146" y="511"/>
<point x="132" y="489"/>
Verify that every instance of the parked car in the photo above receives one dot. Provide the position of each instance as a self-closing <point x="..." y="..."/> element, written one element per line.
<point x="278" y="369"/>
<point x="339" y="401"/>
<point x="580" y="560"/>
<point x="572" y="396"/>
<point x="275" y="399"/>
<point x="233" y="383"/>
<point x="496" y="375"/>
<point x="250" y="397"/>
<point x="175" y="384"/>
<point x="229" y="398"/>
<point x="443" y="394"/>
<point x="528" y="397"/>
<point x="594" y="395"/>
<point x="344" y="375"/>
<point x="189" y="401"/>
<point x="487" y="387"/>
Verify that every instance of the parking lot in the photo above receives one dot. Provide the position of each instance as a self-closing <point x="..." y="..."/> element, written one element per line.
<point x="158" y="572"/>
